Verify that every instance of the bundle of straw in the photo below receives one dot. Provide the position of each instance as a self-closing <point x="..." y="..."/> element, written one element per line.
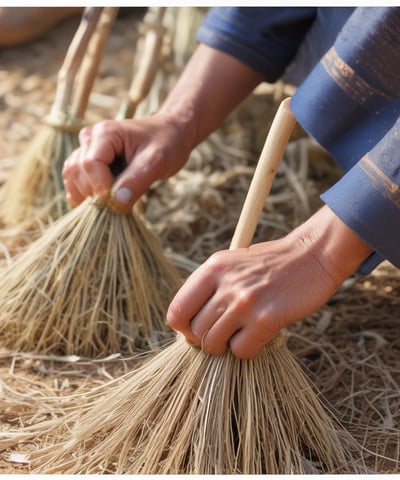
<point x="186" y="412"/>
<point x="36" y="183"/>
<point x="96" y="282"/>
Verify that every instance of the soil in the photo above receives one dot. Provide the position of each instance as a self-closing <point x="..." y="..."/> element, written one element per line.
<point x="350" y="348"/>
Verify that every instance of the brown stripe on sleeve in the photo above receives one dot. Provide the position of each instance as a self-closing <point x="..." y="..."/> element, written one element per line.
<point x="380" y="181"/>
<point x="352" y="84"/>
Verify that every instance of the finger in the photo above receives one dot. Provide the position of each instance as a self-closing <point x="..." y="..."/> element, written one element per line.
<point x="205" y="318"/>
<point x="188" y="301"/>
<point x="95" y="163"/>
<point x="73" y="196"/>
<point x="99" y="178"/>
<point x="75" y="179"/>
<point x="215" y="340"/>
<point x="100" y="145"/>
<point x="136" y="179"/>
<point x="247" y="342"/>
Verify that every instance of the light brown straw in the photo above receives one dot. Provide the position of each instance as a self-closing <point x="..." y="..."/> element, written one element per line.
<point x="186" y="412"/>
<point x="96" y="282"/>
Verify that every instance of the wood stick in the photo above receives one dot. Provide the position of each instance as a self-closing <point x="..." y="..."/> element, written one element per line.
<point x="272" y="152"/>
<point x="92" y="60"/>
<point x="144" y="74"/>
<point x="73" y="58"/>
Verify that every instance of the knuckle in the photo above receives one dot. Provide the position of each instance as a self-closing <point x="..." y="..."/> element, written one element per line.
<point x="245" y="299"/>
<point x="261" y="325"/>
<point x="103" y="127"/>
<point x="216" y="262"/>
<point x="71" y="200"/>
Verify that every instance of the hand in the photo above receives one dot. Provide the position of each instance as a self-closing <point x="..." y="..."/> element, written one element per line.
<point x="240" y="299"/>
<point x="154" y="148"/>
<point x="211" y="86"/>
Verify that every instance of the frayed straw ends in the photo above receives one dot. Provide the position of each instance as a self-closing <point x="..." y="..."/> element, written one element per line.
<point x="96" y="282"/>
<point x="185" y="412"/>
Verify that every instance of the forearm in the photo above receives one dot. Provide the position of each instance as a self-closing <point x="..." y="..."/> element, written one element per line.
<point x="211" y="86"/>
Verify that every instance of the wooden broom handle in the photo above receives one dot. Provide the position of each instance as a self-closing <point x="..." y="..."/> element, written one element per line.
<point x="92" y="60"/>
<point x="148" y="64"/>
<point x="260" y="186"/>
<point x="73" y="58"/>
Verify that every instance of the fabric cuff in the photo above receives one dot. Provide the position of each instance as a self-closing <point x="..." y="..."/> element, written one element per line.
<point x="368" y="212"/>
<point x="212" y="33"/>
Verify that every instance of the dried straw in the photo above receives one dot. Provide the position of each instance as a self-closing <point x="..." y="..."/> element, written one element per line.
<point x="96" y="282"/>
<point x="35" y="188"/>
<point x="186" y="412"/>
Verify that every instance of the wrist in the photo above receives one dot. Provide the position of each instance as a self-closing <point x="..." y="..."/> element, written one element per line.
<point x="334" y="245"/>
<point x="180" y="113"/>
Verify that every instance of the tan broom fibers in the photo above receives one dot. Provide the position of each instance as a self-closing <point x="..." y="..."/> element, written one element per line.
<point x="187" y="412"/>
<point x="36" y="184"/>
<point x="96" y="282"/>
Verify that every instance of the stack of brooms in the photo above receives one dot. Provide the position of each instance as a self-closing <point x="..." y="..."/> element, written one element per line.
<point x="96" y="281"/>
<point x="36" y="184"/>
<point x="186" y="412"/>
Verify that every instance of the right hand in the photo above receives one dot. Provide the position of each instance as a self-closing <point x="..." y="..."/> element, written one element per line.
<point x="154" y="148"/>
<point x="240" y="299"/>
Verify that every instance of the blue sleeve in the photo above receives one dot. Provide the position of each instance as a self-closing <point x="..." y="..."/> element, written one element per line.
<point x="265" y="38"/>
<point x="350" y="103"/>
<point x="367" y="198"/>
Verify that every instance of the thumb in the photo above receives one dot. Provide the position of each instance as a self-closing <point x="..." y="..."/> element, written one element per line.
<point x="132" y="183"/>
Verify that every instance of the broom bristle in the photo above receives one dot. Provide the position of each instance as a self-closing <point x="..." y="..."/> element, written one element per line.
<point x="96" y="282"/>
<point x="186" y="412"/>
<point x="36" y="181"/>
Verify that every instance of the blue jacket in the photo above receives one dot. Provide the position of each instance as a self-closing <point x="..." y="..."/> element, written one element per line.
<point x="346" y="62"/>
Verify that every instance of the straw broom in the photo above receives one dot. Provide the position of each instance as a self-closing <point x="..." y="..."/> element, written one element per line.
<point x="37" y="180"/>
<point x="96" y="282"/>
<point x="187" y="412"/>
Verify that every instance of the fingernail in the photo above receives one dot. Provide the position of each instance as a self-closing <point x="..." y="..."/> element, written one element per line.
<point x="123" y="195"/>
